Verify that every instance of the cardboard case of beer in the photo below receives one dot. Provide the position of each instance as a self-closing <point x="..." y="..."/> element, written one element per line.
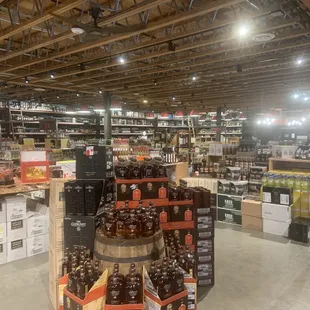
<point x="94" y="300"/>
<point x="181" y="301"/>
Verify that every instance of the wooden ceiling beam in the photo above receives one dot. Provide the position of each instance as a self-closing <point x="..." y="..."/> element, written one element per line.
<point x="38" y="18"/>
<point x="203" y="9"/>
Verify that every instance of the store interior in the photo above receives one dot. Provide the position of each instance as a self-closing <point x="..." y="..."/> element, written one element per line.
<point x="154" y="154"/>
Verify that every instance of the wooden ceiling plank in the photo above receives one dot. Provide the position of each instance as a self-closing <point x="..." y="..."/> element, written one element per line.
<point x="24" y="25"/>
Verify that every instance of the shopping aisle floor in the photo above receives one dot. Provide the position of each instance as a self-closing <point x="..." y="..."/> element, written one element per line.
<point x="254" y="271"/>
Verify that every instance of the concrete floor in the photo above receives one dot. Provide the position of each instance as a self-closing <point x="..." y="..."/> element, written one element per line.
<point x="254" y="271"/>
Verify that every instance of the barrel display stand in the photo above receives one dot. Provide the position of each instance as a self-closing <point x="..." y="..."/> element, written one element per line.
<point x="142" y="251"/>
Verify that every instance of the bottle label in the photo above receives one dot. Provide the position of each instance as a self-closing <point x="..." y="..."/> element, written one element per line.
<point x="182" y="307"/>
<point x="162" y="193"/>
<point x="149" y="225"/>
<point x="136" y="194"/>
<point x="163" y="217"/>
<point x="188" y="216"/>
<point x="188" y="239"/>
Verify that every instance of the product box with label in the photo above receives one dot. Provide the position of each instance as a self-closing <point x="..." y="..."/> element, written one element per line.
<point x="186" y="236"/>
<point x="239" y="188"/>
<point x="36" y="224"/>
<point x="3" y="218"/>
<point x="155" y="188"/>
<point x="181" y="211"/>
<point x="92" y="196"/>
<point x="17" y="230"/>
<point x="278" y="195"/>
<point x="153" y="301"/>
<point x="205" y="247"/>
<point x="15" y="208"/>
<point x="252" y="222"/>
<point x="57" y="196"/>
<point x="276" y="212"/>
<point x="128" y="190"/>
<point x="299" y="230"/>
<point x="229" y="216"/>
<point x="276" y="227"/>
<point x="3" y="253"/>
<point x="254" y="188"/>
<point x="94" y="162"/>
<point x="205" y="274"/>
<point x="95" y="299"/>
<point x="80" y="231"/>
<point x="16" y="250"/>
<point x="223" y="187"/>
<point x="229" y="202"/>
<point x="36" y="245"/>
<point x="74" y="198"/>
<point x="233" y="173"/>
<point x="3" y="232"/>
<point x="204" y="224"/>
<point x="251" y="208"/>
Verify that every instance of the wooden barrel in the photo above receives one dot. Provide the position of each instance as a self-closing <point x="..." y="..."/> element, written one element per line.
<point x="142" y="251"/>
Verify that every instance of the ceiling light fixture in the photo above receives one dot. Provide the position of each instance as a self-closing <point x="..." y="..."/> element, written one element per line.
<point x="155" y="82"/>
<point x="121" y="60"/>
<point x="52" y="75"/>
<point x="77" y="94"/>
<point x="295" y="96"/>
<point x="100" y="91"/>
<point x="299" y="61"/>
<point x="173" y="98"/>
<point x="26" y="80"/>
<point x="244" y="30"/>
<point x="306" y="98"/>
<point x="194" y="78"/>
<point x="58" y="96"/>
<point x="144" y="101"/>
<point x="5" y="84"/>
<point x="77" y="30"/>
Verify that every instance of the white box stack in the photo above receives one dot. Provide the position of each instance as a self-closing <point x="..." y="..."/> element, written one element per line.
<point x="16" y="227"/>
<point x="56" y="236"/>
<point x="276" y="219"/>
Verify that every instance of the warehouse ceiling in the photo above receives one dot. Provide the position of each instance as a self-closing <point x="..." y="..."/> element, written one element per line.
<point x="155" y="54"/>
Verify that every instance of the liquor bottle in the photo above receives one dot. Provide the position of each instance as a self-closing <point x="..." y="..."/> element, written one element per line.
<point x="148" y="225"/>
<point x="164" y="289"/>
<point x="182" y="306"/>
<point x="90" y="278"/>
<point x="86" y="251"/>
<point x="68" y="254"/>
<point x="152" y="272"/>
<point x="136" y="193"/>
<point x="77" y="253"/>
<point x="133" y="291"/>
<point x="174" y="194"/>
<point x="188" y="214"/>
<point x="189" y="238"/>
<point x="191" y="266"/>
<point x="132" y="226"/>
<point x="156" y="218"/>
<point x="120" y="224"/>
<point x="110" y="226"/>
<point x="82" y="286"/>
<point x="163" y="216"/>
<point x="115" y="292"/>
<point x="179" y="280"/>
<point x="156" y="276"/>
<point x="171" y="272"/>
<point x="162" y="191"/>
<point x="182" y="261"/>
<point x="148" y="171"/>
<point x="65" y="266"/>
<point x="72" y="280"/>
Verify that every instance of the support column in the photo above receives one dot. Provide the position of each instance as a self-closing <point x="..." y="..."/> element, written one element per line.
<point x="218" y="123"/>
<point x="107" y="115"/>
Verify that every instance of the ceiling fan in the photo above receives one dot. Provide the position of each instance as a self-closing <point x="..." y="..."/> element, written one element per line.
<point x="96" y="11"/>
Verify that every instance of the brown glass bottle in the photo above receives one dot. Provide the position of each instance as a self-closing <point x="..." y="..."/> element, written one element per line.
<point x="82" y="286"/>
<point x="120" y="225"/>
<point x="182" y="306"/>
<point x="72" y="280"/>
<point x="157" y="275"/>
<point x="179" y="280"/>
<point x="182" y="261"/>
<point x="156" y="219"/>
<point x="163" y="216"/>
<point x="115" y="292"/>
<point x="132" y="227"/>
<point x="65" y="266"/>
<point x="164" y="289"/>
<point x="133" y="291"/>
<point x="148" y="225"/>
<point x="110" y="226"/>
<point x="90" y="278"/>
<point x="152" y="273"/>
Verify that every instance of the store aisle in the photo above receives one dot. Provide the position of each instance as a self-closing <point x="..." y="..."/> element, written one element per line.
<point x="256" y="271"/>
<point x="253" y="271"/>
<point x="24" y="284"/>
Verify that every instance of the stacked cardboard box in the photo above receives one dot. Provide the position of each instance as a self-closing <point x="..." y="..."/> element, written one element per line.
<point x="276" y="219"/>
<point x="204" y="236"/>
<point x="56" y="237"/>
<point x="251" y="211"/>
<point x="277" y="210"/>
